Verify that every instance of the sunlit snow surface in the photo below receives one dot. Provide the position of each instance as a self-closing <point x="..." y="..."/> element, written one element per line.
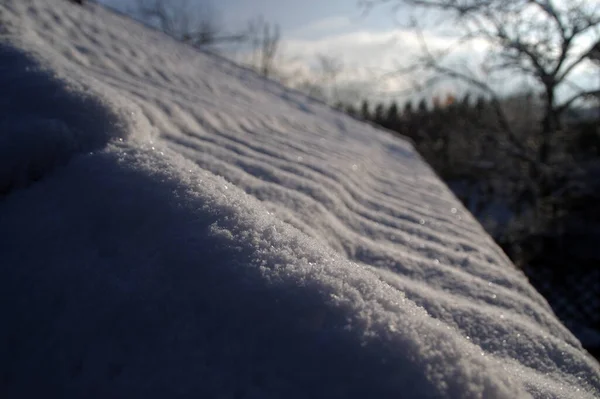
<point x="172" y="225"/>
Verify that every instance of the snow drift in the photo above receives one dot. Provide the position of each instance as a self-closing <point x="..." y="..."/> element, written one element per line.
<point x="172" y="225"/>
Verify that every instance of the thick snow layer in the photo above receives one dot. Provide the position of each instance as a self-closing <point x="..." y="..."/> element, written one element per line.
<point x="172" y="225"/>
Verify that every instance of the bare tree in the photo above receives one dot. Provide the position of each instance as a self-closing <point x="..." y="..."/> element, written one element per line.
<point x="196" y="23"/>
<point x="193" y="22"/>
<point x="264" y="40"/>
<point x="546" y="40"/>
<point x="329" y="70"/>
<point x="321" y="79"/>
<point x="327" y="78"/>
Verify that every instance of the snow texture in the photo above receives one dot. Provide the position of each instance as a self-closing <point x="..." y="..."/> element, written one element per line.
<point x="172" y="225"/>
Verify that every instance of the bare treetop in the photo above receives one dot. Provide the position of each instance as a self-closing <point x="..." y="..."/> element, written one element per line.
<point x="546" y="40"/>
<point x="193" y="22"/>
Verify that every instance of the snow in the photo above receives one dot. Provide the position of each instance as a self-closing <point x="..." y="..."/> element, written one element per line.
<point x="172" y="225"/>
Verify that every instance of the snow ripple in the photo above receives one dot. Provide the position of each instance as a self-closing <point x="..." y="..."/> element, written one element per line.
<point x="196" y="230"/>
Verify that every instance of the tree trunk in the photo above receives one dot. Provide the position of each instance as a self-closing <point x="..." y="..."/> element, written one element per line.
<point x="547" y="125"/>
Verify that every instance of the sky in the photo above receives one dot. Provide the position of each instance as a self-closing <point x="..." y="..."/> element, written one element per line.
<point x="298" y="19"/>
<point x="368" y="45"/>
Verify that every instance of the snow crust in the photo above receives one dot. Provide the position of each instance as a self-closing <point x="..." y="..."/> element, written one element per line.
<point x="172" y="225"/>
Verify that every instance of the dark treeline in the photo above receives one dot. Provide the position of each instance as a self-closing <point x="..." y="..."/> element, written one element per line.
<point x="551" y="232"/>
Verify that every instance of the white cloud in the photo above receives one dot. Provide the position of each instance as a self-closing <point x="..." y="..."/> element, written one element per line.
<point x="368" y="55"/>
<point x="323" y="26"/>
<point x="361" y="48"/>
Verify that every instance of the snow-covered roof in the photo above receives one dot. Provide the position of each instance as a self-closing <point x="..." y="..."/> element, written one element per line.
<point x="173" y="225"/>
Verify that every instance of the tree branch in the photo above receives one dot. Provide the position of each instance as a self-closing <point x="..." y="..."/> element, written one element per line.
<point x="586" y="54"/>
<point x="588" y="93"/>
<point x="431" y="63"/>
